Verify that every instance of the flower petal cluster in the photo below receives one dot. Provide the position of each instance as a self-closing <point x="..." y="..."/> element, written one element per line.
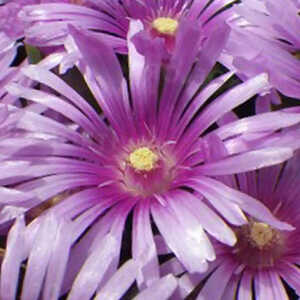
<point x="265" y="38"/>
<point x="47" y="24"/>
<point x="49" y="264"/>
<point x="143" y="128"/>
<point x="147" y="154"/>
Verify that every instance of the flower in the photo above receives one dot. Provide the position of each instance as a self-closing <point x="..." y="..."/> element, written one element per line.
<point x="147" y="154"/>
<point x="265" y="38"/>
<point x="46" y="266"/>
<point x="263" y="256"/>
<point x="47" y="24"/>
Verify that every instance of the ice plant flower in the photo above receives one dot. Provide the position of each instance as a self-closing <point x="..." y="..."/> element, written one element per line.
<point x="47" y="255"/>
<point x="265" y="37"/>
<point x="47" y="24"/>
<point x="263" y="256"/>
<point x="149" y="154"/>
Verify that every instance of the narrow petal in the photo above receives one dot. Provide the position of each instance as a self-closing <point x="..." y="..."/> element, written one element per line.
<point x="93" y="270"/>
<point x="194" y="229"/>
<point x="278" y="289"/>
<point x="262" y="122"/>
<point x="119" y="283"/>
<point x="215" y="286"/>
<point x="108" y="75"/>
<point x="246" y="162"/>
<point x="58" y="261"/>
<point x="161" y="289"/>
<point x="211" y="188"/>
<point x="291" y="274"/>
<point x="143" y="246"/>
<point x="231" y="288"/>
<point x="210" y="221"/>
<point x="14" y="255"/>
<point x="224" y="104"/>
<point x="263" y="286"/>
<point x="245" y="288"/>
<point x="187" y="249"/>
<point x="39" y="258"/>
<point x="48" y="78"/>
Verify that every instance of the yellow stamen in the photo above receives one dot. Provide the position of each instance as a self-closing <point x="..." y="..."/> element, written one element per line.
<point x="143" y="159"/>
<point x="261" y="234"/>
<point x="166" y="26"/>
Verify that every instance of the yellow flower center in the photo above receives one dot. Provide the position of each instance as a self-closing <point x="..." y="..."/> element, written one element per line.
<point x="261" y="234"/>
<point x="143" y="159"/>
<point x="166" y="26"/>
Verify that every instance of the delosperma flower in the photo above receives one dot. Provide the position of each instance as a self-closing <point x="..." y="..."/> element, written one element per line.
<point x="47" y="25"/>
<point x="263" y="257"/>
<point x="152" y="151"/>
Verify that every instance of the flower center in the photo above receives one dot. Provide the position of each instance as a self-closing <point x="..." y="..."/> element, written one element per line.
<point x="167" y="26"/>
<point x="261" y="234"/>
<point x="258" y="245"/>
<point x="147" y="168"/>
<point x="143" y="159"/>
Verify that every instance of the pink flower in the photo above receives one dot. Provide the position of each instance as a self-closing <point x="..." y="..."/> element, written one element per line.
<point x="263" y="256"/>
<point x="153" y="151"/>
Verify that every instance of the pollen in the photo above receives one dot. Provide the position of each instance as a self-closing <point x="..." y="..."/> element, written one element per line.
<point x="167" y="26"/>
<point x="261" y="234"/>
<point x="143" y="159"/>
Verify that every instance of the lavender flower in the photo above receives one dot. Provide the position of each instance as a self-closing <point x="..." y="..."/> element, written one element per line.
<point x="265" y="38"/>
<point x="47" y="24"/>
<point x="263" y="256"/>
<point x="149" y="155"/>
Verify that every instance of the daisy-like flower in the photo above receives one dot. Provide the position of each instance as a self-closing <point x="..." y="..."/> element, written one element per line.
<point x="47" y="24"/>
<point x="265" y="37"/>
<point x="47" y="255"/>
<point x="148" y="153"/>
<point x="263" y="256"/>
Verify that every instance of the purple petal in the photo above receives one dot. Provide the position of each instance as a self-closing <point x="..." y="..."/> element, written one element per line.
<point x="93" y="269"/>
<point x="143" y="246"/>
<point x="245" y="288"/>
<point x="58" y="261"/>
<point x="246" y="162"/>
<point x="39" y="258"/>
<point x="14" y="255"/>
<point x="161" y="289"/>
<point x="119" y="283"/>
<point x="211" y="188"/>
